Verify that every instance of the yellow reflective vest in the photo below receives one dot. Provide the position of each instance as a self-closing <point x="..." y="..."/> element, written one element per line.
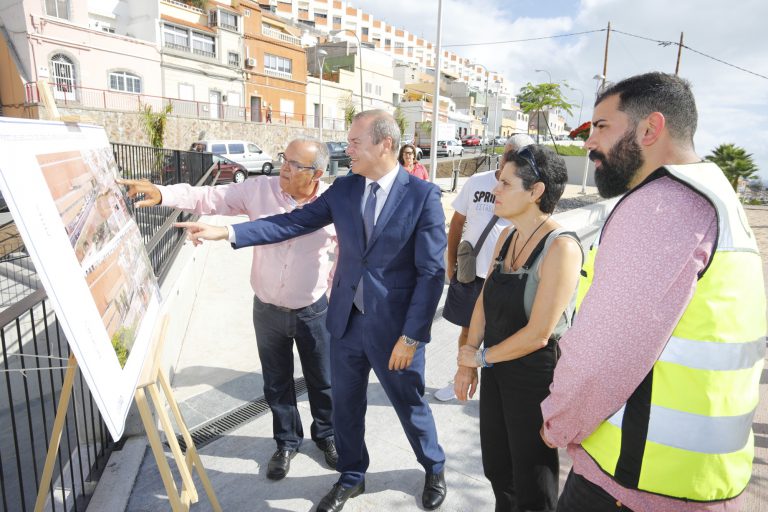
<point x="686" y="431"/>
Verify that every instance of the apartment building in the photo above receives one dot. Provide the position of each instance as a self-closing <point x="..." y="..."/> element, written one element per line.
<point x="202" y="58"/>
<point x="403" y="46"/>
<point x="275" y="66"/>
<point x="89" y="54"/>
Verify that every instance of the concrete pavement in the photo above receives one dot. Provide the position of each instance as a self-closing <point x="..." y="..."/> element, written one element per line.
<point x="218" y="370"/>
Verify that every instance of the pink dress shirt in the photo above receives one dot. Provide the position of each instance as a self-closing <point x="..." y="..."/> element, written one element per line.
<point x="650" y="253"/>
<point x="291" y="274"/>
<point x="418" y="170"/>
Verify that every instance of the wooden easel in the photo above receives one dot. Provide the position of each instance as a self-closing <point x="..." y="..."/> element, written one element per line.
<point x="151" y="375"/>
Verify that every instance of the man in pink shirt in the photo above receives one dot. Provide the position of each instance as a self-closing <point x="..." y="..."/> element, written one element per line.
<point x="290" y="282"/>
<point x="658" y="381"/>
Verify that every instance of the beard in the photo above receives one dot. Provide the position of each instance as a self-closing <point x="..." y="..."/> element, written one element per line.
<point x="619" y="167"/>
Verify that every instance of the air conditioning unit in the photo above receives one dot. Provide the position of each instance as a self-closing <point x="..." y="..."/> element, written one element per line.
<point x="250" y="62"/>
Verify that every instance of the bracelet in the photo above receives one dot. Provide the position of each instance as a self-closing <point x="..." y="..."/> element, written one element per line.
<point x="486" y="364"/>
<point x="479" y="358"/>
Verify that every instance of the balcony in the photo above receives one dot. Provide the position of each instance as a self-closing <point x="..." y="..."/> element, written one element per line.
<point x="277" y="74"/>
<point x="282" y="36"/>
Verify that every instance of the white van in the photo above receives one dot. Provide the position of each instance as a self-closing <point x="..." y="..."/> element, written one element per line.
<point x="247" y="154"/>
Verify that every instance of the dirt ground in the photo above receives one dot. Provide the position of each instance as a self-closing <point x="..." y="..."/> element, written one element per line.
<point x="758" y="219"/>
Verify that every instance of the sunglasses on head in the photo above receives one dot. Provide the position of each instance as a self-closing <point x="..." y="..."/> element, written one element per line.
<point x="527" y="155"/>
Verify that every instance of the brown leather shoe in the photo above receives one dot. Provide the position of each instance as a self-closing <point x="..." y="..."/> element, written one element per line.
<point x="435" y="490"/>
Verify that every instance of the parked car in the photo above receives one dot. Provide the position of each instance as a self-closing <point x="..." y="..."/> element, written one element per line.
<point x="500" y="141"/>
<point x="229" y="170"/>
<point x="245" y="153"/>
<point x="450" y="147"/>
<point x="470" y="140"/>
<point x="338" y="153"/>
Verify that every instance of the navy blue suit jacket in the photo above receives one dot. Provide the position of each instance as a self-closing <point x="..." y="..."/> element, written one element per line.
<point x="402" y="266"/>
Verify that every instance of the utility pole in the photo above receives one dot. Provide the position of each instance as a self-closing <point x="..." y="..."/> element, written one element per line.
<point x="679" y="53"/>
<point x="436" y="98"/>
<point x="605" y="59"/>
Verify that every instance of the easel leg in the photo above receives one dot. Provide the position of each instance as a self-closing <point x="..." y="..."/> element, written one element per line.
<point x="192" y="457"/>
<point x="58" y="427"/>
<point x="157" y="451"/>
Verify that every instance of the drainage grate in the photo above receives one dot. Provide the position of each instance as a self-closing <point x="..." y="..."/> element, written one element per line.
<point x="214" y="429"/>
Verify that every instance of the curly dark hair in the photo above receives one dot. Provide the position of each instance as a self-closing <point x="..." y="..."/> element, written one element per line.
<point x="551" y="172"/>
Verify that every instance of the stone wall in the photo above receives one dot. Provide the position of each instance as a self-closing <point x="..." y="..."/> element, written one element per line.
<point x="181" y="132"/>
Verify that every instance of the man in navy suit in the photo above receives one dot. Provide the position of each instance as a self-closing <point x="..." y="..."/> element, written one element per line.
<point x="391" y="232"/>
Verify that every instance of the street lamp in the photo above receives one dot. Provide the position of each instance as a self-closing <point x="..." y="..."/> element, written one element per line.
<point x="581" y="103"/>
<point x="600" y="81"/>
<point x="545" y="71"/>
<point x="359" y="55"/>
<point x="485" y="117"/>
<point x="496" y="109"/>
<point x="321" y="55"/>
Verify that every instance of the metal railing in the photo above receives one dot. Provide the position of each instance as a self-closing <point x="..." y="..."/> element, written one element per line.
<point x="107" y="99"/>
<point x="34" y="351"/>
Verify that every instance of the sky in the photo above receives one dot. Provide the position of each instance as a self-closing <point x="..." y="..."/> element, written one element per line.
<point x="732" y="103"/>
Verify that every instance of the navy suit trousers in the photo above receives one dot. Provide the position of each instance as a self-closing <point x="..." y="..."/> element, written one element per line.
<point x="352" y="358"/>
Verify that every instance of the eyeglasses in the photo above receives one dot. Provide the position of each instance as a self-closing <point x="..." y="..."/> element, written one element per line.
<point x="293" y="164"/>
<point x="527" y="155"/>
<point x="407" y="152"/>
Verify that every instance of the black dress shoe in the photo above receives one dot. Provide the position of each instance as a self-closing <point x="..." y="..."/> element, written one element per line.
<point x="328" y="446"/>
<point x="434" y="490"/>
<point x="335" y="500"/>
<point x="280" y="463"/>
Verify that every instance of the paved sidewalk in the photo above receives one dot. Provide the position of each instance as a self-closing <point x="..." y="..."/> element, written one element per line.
<point x="218" y="370"/>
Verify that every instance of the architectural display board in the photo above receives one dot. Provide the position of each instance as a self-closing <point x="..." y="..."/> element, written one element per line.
<point x="59" y="182"/>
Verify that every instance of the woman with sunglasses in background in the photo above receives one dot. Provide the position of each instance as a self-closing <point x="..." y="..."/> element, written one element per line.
<point x="526" y="304"/>
<point x="407" y="159"/>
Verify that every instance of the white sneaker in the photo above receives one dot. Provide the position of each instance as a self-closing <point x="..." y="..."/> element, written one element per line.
<point x="446" y="393"/>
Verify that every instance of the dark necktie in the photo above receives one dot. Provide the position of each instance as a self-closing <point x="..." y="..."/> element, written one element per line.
<point x="369" y="216"/>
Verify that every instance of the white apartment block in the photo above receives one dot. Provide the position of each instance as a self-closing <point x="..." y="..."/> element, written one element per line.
<point x="403" y="46"/>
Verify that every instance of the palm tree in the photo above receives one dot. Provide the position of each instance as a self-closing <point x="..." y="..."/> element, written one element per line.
<point x="735" y="163"/>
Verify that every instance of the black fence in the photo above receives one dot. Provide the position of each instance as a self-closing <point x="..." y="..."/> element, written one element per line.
<point x="35" y="351"/>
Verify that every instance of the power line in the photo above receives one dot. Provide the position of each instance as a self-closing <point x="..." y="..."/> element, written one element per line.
<point x="673" y="43"/>
<point x="525" y="40"/>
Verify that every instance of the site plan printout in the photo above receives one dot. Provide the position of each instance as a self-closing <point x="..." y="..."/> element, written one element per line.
<point x="59" y="182"/>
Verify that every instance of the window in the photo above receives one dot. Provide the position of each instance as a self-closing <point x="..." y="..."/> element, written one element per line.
<point x="321" y="15"/>
<point x="378" y="90"/>
<point x="126" y="82"/>
<point x="203" y="45"/>
<point x="280" y="65"/>
<point x="219" y="149"/>
<point x="187" y="92"/>
<point x="63" y="74"/>
<point x="182" y="39"/>
<point x="228" y="20"/>
<point x="175" y="37"/>
<point x="233" y="59"/>
<point x="365" y="31"/>
<point x="368" y="87"/>
<point x="236" y="149"/>
<point x="337" y="20"/>
<point x="57" y="8"/>
<point x="388" y="43"/>
<point x="399" y="44"/>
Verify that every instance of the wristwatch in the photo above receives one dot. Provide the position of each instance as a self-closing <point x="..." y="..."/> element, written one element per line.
<point x="409" y="341"/>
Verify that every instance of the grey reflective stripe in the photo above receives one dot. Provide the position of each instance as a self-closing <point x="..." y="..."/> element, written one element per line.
<point x="693" y="432"/>
<point x="696" y="433"/>
<point x="709" y="355"/>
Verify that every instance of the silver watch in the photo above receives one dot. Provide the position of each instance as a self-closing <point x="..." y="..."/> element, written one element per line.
<point x="409" y="341"/>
